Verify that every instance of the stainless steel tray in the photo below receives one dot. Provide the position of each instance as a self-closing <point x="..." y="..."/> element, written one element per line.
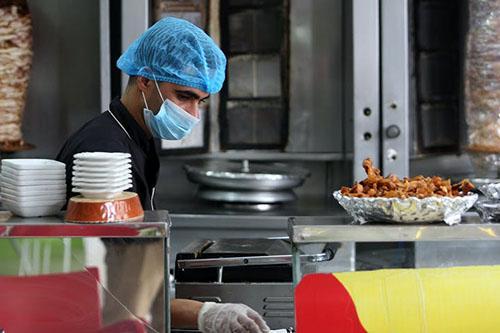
<point x="244" y="176"/>
<point x="249" y="197"/>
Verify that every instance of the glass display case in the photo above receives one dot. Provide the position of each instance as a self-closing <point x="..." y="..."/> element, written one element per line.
<point x="437" y="272"/>
<point x="61" y="276"/>
<point x="311" y="233"/>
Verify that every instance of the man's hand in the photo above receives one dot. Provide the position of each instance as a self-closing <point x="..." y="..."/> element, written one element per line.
<point x="230" y="318"/>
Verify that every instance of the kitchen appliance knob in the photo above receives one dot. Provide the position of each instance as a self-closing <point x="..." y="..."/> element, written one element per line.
<point x="392" y="131"/>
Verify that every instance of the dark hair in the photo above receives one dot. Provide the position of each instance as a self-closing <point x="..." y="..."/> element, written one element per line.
<point x="131" y="80"/>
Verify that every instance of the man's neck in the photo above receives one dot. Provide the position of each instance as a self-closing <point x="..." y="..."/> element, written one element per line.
<point x="135" y="108"/>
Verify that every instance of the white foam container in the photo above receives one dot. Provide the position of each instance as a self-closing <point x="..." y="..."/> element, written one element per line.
<point x="42" y="173"/>
<point x="33" y="189"/>
<point x="6" y="180"/>
<point x="33" y="164"/>
<point x="33" y="211"/>
<point x="47" y="198"/>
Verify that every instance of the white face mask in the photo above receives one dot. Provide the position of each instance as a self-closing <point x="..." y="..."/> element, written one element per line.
<point x="171" y="122"/>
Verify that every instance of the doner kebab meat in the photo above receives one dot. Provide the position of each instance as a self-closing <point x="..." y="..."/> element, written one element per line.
<point x="15" y="63"/>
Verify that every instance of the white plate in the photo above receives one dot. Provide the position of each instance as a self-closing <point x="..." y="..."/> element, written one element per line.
<point x="34" y="193"/>
<point x="34" y="177"/>
<point x="114" y="189"/>
<point x="34" y="199"/>
<point x="100" y="181"/>
<point x="108" y="175"/>
<point x="33" y="164"/>
<point x="101" y="195"/>
<point x="100" y="164"/>
<point x="41" y="173"/>
<point x="94" y="180"/>
<point x="120" y="170"/>
<point x="34" y="211"/>
<point x="99" y="186"/>
<point x="30" y="182"/>
<point x="101" y="156"/>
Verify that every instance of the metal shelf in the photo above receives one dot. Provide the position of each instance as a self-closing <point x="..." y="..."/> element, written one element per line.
<point x="304" y="230"/>
<point x="155" y="224"/>
<point x="265" y="156"/>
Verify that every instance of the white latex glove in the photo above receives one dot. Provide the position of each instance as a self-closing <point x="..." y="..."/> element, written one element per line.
<point x="230" y="318"/>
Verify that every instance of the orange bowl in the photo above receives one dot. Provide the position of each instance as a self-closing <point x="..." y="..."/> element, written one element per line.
<point x="125" y="207"/>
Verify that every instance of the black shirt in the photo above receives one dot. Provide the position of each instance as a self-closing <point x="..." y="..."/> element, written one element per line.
<point x="104" y="134"/>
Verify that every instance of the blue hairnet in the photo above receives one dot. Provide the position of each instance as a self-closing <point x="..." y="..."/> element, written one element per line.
<point x="176" y="51"/>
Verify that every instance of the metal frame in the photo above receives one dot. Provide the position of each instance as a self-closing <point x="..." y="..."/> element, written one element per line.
<point x="135" y="20"/>
<point x="308" y="230"/>
<point x="304" y="231"/>
<point x="366" y="83"/>
<point x="105" y="54"/>
<point x="166" y="283"/>
<point x="395" y="156"/>
<point x="156" y="225"/>
<point x="252" y="260"/>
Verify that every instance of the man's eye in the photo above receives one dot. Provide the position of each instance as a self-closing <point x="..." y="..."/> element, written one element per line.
<point x="203" y="101"/>
<point x="183" y="97"/>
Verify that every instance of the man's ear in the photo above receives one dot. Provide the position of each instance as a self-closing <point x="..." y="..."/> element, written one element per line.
<point x="143" y="83"/>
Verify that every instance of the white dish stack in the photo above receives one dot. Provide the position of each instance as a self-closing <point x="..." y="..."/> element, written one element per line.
<point x="33" y="187"/>
<point x="101" y="175"/>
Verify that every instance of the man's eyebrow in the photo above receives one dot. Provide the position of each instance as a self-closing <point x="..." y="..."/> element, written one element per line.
<point x="191" y="94"/>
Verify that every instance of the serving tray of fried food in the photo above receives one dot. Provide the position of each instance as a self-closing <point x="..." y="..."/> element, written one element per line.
<point x="408" y="200"/>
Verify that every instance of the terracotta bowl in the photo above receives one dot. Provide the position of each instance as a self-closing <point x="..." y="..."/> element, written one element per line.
<point x="125" y="207"/>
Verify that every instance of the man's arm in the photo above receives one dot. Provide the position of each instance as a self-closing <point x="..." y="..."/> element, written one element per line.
<point x="185" y="313"/>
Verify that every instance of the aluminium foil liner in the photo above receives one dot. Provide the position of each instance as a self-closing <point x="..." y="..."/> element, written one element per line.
<point x="410" y="210"/>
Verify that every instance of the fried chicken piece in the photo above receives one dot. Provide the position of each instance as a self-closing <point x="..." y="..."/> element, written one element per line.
<point x="392" y="187"/>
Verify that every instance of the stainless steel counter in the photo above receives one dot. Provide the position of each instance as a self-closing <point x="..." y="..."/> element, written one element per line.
<point x="435" y="244"/>
<point x="155" y="224"/>
<point x="335" y="229"/>
<point x="82" y="253"/>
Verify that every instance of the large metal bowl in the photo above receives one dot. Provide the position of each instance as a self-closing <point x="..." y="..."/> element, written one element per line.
<point x="238" y="176"/>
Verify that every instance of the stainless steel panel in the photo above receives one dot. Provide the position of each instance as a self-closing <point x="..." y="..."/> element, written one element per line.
<point x="366" y="83"/>
<point x="64" y="79"/>
<point x="252" y="260"/>
<point x="274" y="301"/>
<point x="331" y="229"/>
<point x="395" y="85"/>
<point x="155" y="224"/>
<point x="135" y="20"/>
<point x="214" y="100"/>
<point x="316" y="70"/>
<point x="449" y="254"/>
<point x="105" y="54"/>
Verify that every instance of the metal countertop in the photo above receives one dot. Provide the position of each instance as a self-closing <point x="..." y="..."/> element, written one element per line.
<point x="154" y="225"/>
<point x="336" y="229"/>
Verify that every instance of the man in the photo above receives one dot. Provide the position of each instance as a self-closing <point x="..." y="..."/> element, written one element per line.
<point x="173" y="67"/>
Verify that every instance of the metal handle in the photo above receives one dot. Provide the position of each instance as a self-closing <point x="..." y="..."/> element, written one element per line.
<point x="253" y="260"/>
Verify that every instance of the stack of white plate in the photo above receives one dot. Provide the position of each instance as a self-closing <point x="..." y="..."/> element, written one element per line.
<point x="101" y="175"/>
<point x="33" y="187"/>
